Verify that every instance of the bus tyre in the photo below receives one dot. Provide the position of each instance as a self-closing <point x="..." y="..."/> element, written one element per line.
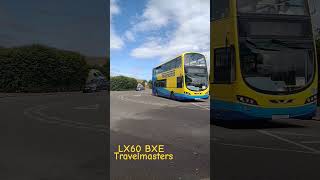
<point x="172" y="96"/>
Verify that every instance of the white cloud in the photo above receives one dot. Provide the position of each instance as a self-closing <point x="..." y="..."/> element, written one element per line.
<point x="191" y="19"/>
<point x="138" y="73"/>
<point x="129" y="36"/>
<point x="116" y="41"/>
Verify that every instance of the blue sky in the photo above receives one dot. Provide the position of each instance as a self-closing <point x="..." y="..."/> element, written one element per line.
<point x="64" y="24"/>
<point x="145" y="33"/>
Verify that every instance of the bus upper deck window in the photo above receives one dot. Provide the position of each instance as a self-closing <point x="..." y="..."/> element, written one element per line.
<point x="220" y="9"/>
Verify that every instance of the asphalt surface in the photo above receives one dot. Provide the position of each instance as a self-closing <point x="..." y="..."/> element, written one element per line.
<point x="183" y="127"/>
<point x="59" y="136"/>
<point x="275" y="150"/>
<point x="65" y="136"/>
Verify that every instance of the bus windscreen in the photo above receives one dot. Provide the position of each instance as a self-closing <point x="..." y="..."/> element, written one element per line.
<point x="284" y="7"/>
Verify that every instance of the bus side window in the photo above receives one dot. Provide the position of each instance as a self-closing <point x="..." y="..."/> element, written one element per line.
<point x="224" y="65"/>
<point x="179" y="82"/>
<point x="164" y="83"/>
<point x="219" y="9"/>
<point x="161" y="83"/>
<point x="178" y="63"/>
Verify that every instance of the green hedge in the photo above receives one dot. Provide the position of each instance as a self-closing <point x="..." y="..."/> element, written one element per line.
<point x="38" y="68"/>
<point x="122" y="83"/>
<point x="318" y="48"/>
<point x="150" y="84"/>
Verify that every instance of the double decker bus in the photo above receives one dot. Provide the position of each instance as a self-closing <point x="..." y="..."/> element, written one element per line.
<point x="182" y="78"/>
<point x="263" y="60"/>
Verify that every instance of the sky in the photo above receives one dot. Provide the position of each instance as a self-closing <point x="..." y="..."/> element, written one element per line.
<point x="80" y="25"/>
<point x="145" y="33"/>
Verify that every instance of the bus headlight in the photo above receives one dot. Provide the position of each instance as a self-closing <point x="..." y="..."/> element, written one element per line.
<point x="311" y="99"/>
<point x="246" y="100"/>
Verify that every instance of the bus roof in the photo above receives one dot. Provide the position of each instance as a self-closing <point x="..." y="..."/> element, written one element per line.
<point x="175" y="57"/>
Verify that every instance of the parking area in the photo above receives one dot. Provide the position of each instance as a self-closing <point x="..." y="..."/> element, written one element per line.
<point x="54" y="136"/>
<point x="137" y="117"/>
<point x="279" y="149"/>
<point x="275" y="150"/>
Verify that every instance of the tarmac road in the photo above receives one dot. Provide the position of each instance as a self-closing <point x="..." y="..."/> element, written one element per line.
<point x="275" y="150"/>
<point x="65" y="136"/>
<point x="60" y="136"/>
<point x="183" y="127"/>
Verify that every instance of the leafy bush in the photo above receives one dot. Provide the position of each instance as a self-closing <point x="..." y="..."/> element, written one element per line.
<point x="150" y="84"/>
<point x="38" y="68"/>
<point x="318" y="48"/>
<point x="122" y="83"/>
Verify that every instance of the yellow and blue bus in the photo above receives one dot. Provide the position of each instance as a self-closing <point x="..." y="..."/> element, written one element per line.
<point x="182" y="78"/>
<point x="263" y="60"/>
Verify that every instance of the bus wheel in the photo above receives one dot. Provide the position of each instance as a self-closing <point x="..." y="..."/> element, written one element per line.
<point x="172" y="96"/>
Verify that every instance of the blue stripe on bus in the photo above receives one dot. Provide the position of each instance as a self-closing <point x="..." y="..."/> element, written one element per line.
<point x="182" y="97"/>
<point x="237" y="111"/>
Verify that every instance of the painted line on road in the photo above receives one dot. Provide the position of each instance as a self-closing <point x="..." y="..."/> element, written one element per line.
<point x="293" y="134"/>
<point x="36" y="114"/>
<point x="204" y="107"/>
<point x="205" y="179"/>
<point x="288" y="141"/>
<point x="126" y="99"/>
<point x="194" y="106"/>
<point x="123" y="98"/>
<point x="266" y="148"/>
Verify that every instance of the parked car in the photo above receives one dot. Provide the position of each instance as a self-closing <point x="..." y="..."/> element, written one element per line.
<point x="140" y="87"/>
<point x="95" y="82"/>
<point x="90" y="87"/>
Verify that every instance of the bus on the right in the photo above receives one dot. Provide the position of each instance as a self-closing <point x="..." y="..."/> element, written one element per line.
<point x="263" y="60"/>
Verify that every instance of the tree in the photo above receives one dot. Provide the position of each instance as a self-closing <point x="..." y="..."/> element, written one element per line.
<point x="122" y="83"/>
<point x="144" y="82"/>
<point x="150" y="84"/>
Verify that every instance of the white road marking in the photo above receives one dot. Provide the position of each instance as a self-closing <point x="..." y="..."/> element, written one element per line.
<point x="289" y="141"/>
<point x="266" y="148"/>
<point x="205" y="179"/>
<point x="36" y="114"/>
<point x="204" y="107"/>
<point x="294" y="134"/>
<point x="176" y="104"/>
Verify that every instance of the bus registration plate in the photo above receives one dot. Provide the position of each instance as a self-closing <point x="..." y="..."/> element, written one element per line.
<point x="280" y="117"/>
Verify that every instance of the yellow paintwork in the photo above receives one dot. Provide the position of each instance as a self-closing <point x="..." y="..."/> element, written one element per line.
<point x="172" y="81"/>
<point x="227" y="92"/>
